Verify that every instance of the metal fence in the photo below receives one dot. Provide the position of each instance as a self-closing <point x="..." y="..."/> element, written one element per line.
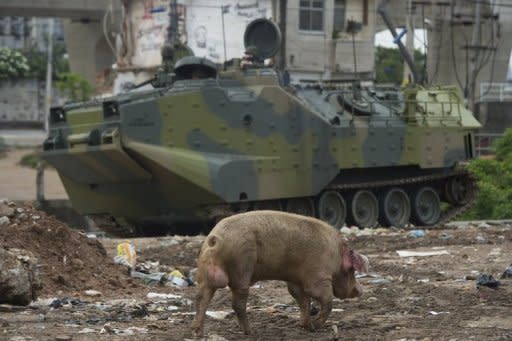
<point x="495" y="92"/>
<point x="484" y="143"/>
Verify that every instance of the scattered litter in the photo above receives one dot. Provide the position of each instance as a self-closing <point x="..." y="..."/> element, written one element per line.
<point x="172" y="308"/>
<point x="126" y="255"/>
<point x="108" y="329"/>
<point x="487" y="281"/>
<point x="155" y="295"/>
<point x="215" y="337"/>
<point x="153" y="279"/>
<point x="218" y="315"/>
<point x="507" y="273"/>
<point x="369" y="274"/>
<point x="423" y="280"/>
<point x="483" y="225"/>
<point x="147" y="266"/>
<point x="480" y="239"/>
<point x="406" y="253"/>
<point x="92" y="293"/>
<point x="86" y="331"/>
<point x="417" y="233"/>
<point x="435" y="313"/>
<point x="59" y="302"/>
<point x="177" y="279"/>
<point x="380" y="281"/>
<point x="445" y="236"/>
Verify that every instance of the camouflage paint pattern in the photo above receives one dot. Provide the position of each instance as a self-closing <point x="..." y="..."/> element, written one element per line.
<point x="243" y="138"/>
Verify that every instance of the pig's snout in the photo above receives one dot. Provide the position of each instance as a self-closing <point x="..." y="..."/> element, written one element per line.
<point x="358" y="290"/>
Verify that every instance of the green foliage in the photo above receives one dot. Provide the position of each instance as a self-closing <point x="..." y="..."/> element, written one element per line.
<point x="37" y="61"/>
<point x="74" y="86"/>
<point x="13" y="65"/>
<point x="495" y="183"/>
<point x="32" y="159"/>
<point x="503" y="146"/>
<point x="389" y="65"/>
<point x="3" y="148"/>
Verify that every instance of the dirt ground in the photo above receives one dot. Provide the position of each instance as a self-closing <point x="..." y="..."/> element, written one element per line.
<point x="19" y="183"/>
<point x="406" y="298"/>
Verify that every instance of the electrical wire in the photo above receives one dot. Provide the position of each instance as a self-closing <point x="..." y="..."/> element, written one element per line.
<point x="453" y="51"/>
<point x="104" y="26"/>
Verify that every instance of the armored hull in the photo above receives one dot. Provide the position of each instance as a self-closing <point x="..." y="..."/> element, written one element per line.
<point x="238" y="140"/>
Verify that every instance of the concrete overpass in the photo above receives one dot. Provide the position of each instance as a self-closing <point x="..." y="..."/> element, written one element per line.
<point x="89" y="52"/>
<point x="70" y="9"/>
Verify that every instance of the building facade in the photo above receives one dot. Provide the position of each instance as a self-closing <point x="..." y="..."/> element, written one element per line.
<point x="318" y="39"/>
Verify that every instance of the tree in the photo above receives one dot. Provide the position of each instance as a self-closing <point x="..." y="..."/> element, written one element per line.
<point x="389" y="65"/>
<point x="37" y="61"/>
<point x="495" y="182"/>
<point x="74" y="86"/>
<point x="13" y="65"/>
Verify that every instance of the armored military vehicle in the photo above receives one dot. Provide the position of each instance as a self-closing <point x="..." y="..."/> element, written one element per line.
<point x="209" y="141"/>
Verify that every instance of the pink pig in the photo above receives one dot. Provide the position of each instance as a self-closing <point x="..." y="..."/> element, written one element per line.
<point x="311" y="256"/>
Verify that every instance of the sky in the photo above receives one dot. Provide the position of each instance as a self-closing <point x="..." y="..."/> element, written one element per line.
<point x="385" y="39"/>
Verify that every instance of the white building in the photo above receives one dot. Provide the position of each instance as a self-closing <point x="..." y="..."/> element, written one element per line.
<point x="317" y="44"/>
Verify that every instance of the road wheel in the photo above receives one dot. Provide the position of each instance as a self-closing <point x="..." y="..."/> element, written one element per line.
<point x="332" y="209"/>
<point x="426" y="207"/>
<point x="394" y="208"/>
<point x="456" y="190"/>
<point x="302" y="206"/>
<point x="273" y="205"/>
<point x="363" y="209"/>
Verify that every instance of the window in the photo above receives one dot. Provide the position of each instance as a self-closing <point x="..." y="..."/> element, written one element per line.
<point x="339" y="15"/>
<point x="311" y="15"/>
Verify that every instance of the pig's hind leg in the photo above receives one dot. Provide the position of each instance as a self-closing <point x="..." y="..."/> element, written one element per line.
<point x="304" y="302"/>
<point x="239" y="305"/>
<point x="209" y="281"/>
<point x="203" y="298"/>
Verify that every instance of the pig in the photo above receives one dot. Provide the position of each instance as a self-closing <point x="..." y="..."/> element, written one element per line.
<point x="308" y="254"/>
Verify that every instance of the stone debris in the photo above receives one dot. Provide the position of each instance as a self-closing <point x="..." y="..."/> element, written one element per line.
<point x="19" y="277"/>
<point x="6" y="210"/>
<point x="4" y="221"/>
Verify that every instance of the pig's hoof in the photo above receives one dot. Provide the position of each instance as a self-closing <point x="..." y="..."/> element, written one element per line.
<point x="317" y="324"/>
<point x="307" y="325"/>
<point x="197" y="332"/>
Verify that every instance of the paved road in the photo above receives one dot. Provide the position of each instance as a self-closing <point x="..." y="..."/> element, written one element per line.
<point x="23" y="137"/>
<point x="19" y="183"/>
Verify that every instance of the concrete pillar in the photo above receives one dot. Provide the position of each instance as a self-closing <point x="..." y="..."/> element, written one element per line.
<point x="89" y="53"/>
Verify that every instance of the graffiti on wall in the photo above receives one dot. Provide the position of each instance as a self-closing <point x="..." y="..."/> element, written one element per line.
<point x="204" y="26"/>
<point x="144" y="32"/>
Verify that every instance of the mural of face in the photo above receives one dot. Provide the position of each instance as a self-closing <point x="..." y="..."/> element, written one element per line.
<point x="200" y="36"/>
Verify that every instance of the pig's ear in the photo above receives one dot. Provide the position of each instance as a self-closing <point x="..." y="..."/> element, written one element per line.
<point x="353" y="260"/>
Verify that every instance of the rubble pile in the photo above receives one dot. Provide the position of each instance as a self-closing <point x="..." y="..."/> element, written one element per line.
<point x="69" y="261"/>
<point x="19" y="277"/>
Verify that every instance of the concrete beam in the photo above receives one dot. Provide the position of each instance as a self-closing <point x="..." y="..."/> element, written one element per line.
<point x="73" y="9"/>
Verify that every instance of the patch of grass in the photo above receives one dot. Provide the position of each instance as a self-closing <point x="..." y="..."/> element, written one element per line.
<point x="3" y="148"/>
<point x="32" y="159"/>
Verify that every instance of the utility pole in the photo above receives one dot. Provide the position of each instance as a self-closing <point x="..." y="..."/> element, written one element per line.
<point x="476" y="50"/>
<point x="48" y="96"/>
<point x="223" y="10"/>
<point x="409" y="41"/>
